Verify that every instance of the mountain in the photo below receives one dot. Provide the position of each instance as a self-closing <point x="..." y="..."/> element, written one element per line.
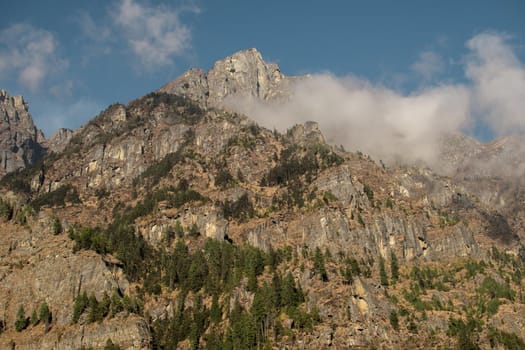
<point x="19" y="138"/>
<point x="243" y="74"/>
<point x="170" y="222"/>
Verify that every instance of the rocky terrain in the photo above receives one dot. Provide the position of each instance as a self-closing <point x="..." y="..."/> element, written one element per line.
<point x="20" y="140"/>
<point x="243" y="74"/>
<point x="170" y="222"/>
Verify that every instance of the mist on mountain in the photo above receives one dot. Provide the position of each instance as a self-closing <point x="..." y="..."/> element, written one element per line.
<point x="394" y="126"/>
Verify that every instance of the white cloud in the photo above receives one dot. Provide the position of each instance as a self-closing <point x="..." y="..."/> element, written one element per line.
<point x="30" y="54"/>
<point x="498" y="82"/>
<point x="373" y="119"/>
<point x="155" y="34"/>
<point x="428" y="65"/>
<point x="391" y="125"/>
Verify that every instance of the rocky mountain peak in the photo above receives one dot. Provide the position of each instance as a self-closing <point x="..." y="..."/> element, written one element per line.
<point x="59" y="140"/>
<point x="17" y="105"/>
<point x="244" y="73"/>
<point x="19" y="138"/>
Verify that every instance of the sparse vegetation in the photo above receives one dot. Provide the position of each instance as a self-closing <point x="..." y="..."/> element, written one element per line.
<point x="394" y="320"/>
<point x="57" y="226"/>
<point x="382" y="272"/>
<point x="157" y="171"/>
<point x="240" y="209"/>
<point x="95" y="310"/>
<point x="447" y="219"/>
<point x="6" y="210"/>
<point x="296" y="162"/>
<point x="224" y="179"/>
<point x="59" y="197"/>
<point x="369" y="193"/>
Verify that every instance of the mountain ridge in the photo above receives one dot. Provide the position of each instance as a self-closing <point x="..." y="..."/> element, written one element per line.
<point x="166" y="208"/>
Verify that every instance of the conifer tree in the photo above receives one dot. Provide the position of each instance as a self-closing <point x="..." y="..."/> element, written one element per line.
<point x="34" y="318"/>
<point x="21" y="320"/>
<point x="81" y="302"/>
<point x="45" y="314"/>
<point x="382" y="272"/>
<point x="319" y="265"/>
<point x="215" y="311"/>
<point x="394" y="267"/>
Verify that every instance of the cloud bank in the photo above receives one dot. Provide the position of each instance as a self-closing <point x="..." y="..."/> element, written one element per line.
<point x="390" y="125"/>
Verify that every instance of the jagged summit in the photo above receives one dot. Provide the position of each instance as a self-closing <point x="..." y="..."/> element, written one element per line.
<point x="244" y="73"/>
<point x="19" y="138"/>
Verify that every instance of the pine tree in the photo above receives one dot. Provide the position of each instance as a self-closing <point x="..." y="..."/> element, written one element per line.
<point x="252" y="280"/>
<point x="382" y="272"/>
<point x="277" y="289"/>
<point x="21" y="320"/>
<point x="288" y="291"/>
<point x="44" y="314"/>
<point x="57" y="226"/>
<point x="198" y="324"/>
<point x="394" y="267"/>
<point x="215" y="311"/>
<point x="319" y="265"/>
<point x="115" y="303"/>
<point x="110" y="346"/>
<point x="34" y="318"/>
<point x="81" y="303"/>
<point x="94" y="309"/>
<point x="394" y="320"/>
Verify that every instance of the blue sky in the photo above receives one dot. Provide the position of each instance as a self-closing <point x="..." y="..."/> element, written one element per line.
<point x="70" y="61"/>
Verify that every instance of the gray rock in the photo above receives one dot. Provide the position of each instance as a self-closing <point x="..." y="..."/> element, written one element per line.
<point x="242" y="74"/>
<point x="20" y="140"/>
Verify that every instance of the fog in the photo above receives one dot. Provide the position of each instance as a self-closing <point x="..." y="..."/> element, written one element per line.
<point x="391" y="125"/>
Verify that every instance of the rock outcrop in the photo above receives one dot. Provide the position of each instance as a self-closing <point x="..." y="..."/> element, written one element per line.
<point x="243" y="74"/>
<point x="59" y="140"/>
<point x="20" y="140"/>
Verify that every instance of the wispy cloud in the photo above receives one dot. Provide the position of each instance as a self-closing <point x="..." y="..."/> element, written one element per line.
<point x="428" y="65"/>
<point x="498" y="79"/>
<point x="155" y="34"/>
<point x="30" y="54"/>
<point x="92" y="30"/>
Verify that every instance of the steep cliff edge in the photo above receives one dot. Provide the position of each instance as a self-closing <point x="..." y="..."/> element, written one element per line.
<point x="243" y="74"/>
<point x="20" y="140"/>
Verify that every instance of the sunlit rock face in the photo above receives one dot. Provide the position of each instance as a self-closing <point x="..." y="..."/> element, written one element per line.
<point x="20" y="140"/>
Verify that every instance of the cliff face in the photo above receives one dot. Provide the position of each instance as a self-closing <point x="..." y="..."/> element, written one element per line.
<point x="493" y="172"/>
<point x="19" y="138"/>
<point x="243" y="74"/>
<point x="38" y="265"/>
<point x="156" y="203"/>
